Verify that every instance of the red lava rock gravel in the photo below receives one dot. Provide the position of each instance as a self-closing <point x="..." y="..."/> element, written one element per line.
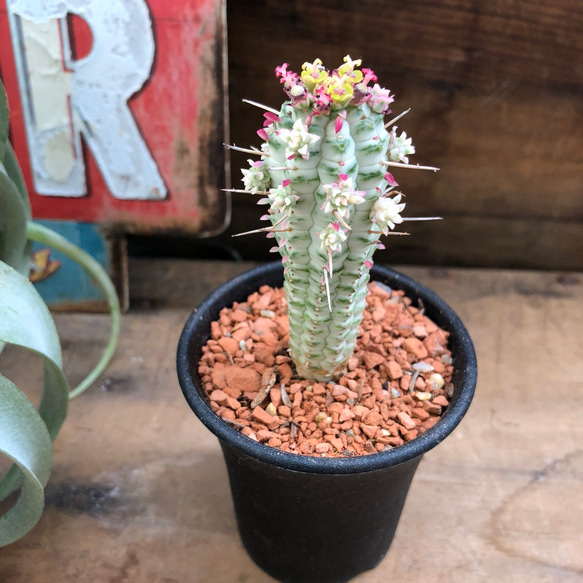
<point x="395" y="387"/>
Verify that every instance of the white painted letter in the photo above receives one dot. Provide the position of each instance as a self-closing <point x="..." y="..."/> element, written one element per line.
<point x="63" y="98"/>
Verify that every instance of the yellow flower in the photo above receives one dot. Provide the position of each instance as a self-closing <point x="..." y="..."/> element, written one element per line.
<point x="340" y="90"/>
<point x="348" y="69"/>
<point x="313" y="74"/>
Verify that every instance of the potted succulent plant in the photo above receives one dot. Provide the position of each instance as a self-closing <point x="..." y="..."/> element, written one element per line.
<point x="319" y="472"/>
<point x="25" y="432"/>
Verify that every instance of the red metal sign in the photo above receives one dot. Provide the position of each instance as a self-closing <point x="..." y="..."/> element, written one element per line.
<point x="118" y="110"/>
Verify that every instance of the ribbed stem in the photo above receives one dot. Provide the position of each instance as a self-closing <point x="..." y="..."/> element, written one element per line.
<point x="324" y="175"/>
<point x="322" y="340"/>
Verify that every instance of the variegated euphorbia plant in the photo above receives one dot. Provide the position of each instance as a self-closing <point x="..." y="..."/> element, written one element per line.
<point x="323" y="169"/>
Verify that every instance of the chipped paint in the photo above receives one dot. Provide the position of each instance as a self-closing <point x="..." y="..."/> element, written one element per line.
<point x="63" y="98"/>
<point x="58" y="158"/>
<point x="181" y="112"/>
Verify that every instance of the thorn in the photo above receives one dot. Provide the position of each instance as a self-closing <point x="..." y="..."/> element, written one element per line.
<point x="281" y="168"/>
<point x="422" y="218"/>
<point x="263" y="230"/>
<point x="263" y="192"/>
<point x="330" y="265"/>
<point x="389" y="233"/>
<point x="397" y="118"/>
<point x="327" y="289"/>
<point x="278" y="222"/>
<point x="412" y="166"/>
<point x="341" y="220"/>
<point x="244" y="150"/>
<point x="261" y="106"/>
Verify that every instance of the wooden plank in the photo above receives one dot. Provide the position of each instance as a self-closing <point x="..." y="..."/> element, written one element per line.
<point x="139" y="492"/>
<point x="494" y="92"/>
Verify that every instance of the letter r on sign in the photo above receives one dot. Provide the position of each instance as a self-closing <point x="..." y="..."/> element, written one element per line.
<point x="63" y="98"/>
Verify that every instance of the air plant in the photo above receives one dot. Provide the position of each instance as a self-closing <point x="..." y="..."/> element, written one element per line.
<point x="324" y="173"/>
<point x="25" y="432"/>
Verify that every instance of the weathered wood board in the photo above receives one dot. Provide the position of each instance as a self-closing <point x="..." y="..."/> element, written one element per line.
<point x="139" y="492"/>
<point x="495" y="90"/>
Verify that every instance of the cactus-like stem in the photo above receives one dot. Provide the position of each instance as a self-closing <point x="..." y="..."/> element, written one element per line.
<point x="323" y="172"/>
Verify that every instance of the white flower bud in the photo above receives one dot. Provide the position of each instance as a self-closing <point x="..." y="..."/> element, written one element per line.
<point x="298" y="140"/>
<point x="400" y="147"/>
<point x="256" y="178"/>
<point x="332" y="237"/>
<point x="386" y="213"/>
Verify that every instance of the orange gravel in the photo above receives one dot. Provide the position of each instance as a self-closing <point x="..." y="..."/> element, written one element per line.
<point x="395" y="387"/>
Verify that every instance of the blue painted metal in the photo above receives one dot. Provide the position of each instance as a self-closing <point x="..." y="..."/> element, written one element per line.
<point x="70" y="283"/>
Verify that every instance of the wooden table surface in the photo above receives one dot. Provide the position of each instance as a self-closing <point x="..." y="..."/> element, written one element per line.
<point x="139" y="491"/>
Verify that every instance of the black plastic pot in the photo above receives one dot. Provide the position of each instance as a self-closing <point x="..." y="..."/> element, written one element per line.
<point x="307" y="519"/>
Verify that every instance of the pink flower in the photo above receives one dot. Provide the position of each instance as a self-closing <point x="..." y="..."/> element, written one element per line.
<point x="368" y="76"/>
<point x="322" y="101"/>
<point x="380" y="99"/>
<point x="282" y="72"/>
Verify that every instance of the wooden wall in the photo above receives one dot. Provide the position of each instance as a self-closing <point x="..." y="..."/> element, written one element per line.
<point x="496" y="95"/>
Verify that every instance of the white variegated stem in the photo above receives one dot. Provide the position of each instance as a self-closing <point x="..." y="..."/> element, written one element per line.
<point x="242" y="191"/>
<point x="244" y="150"/>
<point x="261" y="106"/>
<point x="397" y="118"/>
<point x="411" y="166"/>
<point x="422" y="218"/>
<point x="325" y="289"/>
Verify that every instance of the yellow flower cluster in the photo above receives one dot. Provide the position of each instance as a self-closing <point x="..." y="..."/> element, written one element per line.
<point x="339" y="85"/>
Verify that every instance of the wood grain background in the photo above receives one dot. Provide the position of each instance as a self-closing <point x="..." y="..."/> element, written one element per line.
<point x="496" y="96"/>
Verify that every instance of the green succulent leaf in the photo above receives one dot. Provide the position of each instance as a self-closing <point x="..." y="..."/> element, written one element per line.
<point x="14" y="248"/>
<point x="13" y="170"/>
<point x="25" y="440"/>
<point x="45" y="236"/>
<point x="4" y="120"/>
<point x="25" y="321"/>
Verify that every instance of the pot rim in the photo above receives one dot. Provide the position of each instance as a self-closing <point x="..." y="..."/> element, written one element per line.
<point x="465" y="369"/>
